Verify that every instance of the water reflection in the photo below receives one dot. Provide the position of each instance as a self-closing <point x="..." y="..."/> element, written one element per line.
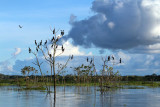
<point x="69" y="96"/>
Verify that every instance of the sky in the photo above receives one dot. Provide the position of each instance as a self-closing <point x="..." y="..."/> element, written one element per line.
<point x="127" y="29"/>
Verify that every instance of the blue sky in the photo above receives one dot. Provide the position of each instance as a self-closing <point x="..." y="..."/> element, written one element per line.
<point x="123" y="28"/>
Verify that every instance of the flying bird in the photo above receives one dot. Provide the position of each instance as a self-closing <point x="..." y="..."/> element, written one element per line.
<point x="20" y="26"/>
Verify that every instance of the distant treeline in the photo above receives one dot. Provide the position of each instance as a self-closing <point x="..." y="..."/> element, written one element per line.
<point x="71" y="78"/>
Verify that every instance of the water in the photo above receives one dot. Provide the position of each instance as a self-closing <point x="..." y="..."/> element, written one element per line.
<point x="73" y="96"/>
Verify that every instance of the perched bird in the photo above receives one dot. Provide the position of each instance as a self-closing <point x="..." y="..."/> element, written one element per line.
<point x="40" y="43"/>
<point x="72" y="57"/>
<point x="52" y="39"/>
<point x="91" y="61"/>
<point x="53" y="31"/>
<point x="112" y="57"/>
<point x="109" y="58"/>
<point x="50" y="55"/>
<point x="35" y="42"/>
<point x="38" y="46"/>
<point x="120" y="61"/>
<point x="45" y="42"/>
<point x="29" y="50"/>
<point x="87" y="59"/>
<point x="62" y="32"/>
<point x="20" y="26"/>
<point x="63" y="49"/>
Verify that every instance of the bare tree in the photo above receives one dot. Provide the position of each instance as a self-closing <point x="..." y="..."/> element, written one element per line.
<point x="50" y="51"/>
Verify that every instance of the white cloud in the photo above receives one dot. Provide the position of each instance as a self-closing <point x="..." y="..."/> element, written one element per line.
<point x="70" y="50"/>
<point x="111" y="25"/>
<point x="17" y="51"/>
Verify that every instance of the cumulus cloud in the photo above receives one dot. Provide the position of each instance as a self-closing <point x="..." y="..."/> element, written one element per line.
<point x="70" y="50"/>
<point x="119" y="24"/>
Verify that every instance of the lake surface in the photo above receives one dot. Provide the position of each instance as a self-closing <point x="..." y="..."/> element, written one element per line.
<point x="73" y="96"/>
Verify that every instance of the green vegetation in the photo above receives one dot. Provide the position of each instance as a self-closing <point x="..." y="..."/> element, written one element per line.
<point x="6" y="80"/>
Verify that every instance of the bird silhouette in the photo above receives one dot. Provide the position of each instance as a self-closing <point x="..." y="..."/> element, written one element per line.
<point x="91" y="61"/>
<point x="62" y="32"/>
<point x="62" y="47"/>
<point x="50" y="55"/>
<point x="20" y="26"/>
<point x="109" y="58"/>
<point x="45" y="42"/>
<point x="29" y="50"/>
<point x="35" y="42"/>
<point x="53" y="31"/>
<point x="113" y="57"/>
<point x="120" y="61"/>
<point x="72" y="57"/>
<point x="87" y="59"/>
<point x="52" y="39"/>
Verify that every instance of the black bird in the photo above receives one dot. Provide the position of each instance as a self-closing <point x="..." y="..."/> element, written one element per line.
<point x="53" y="39"/>
<point x="45" y="42"/>
<point x="63" y="49"/>
<point x="38" y="46"/>
<point x="29" y="50"/>
<point x="62" y="32"/>
<point x="35" y="42"/>
<point x="56" y="46"/>
<point x="50" y="55"/>
<point x="53" y="31"/>
<point x="72" y="57"/>
<point x="87" y="59"/>
<point x="113" y="57"/>
<point x="20" y="26"/>
<point x="120" y="61"/>
<point x="91" y="61"/>
<point x="109" y="58"/>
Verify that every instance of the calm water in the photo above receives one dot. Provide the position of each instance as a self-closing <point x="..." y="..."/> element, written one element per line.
<point x="74" y="96"/>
